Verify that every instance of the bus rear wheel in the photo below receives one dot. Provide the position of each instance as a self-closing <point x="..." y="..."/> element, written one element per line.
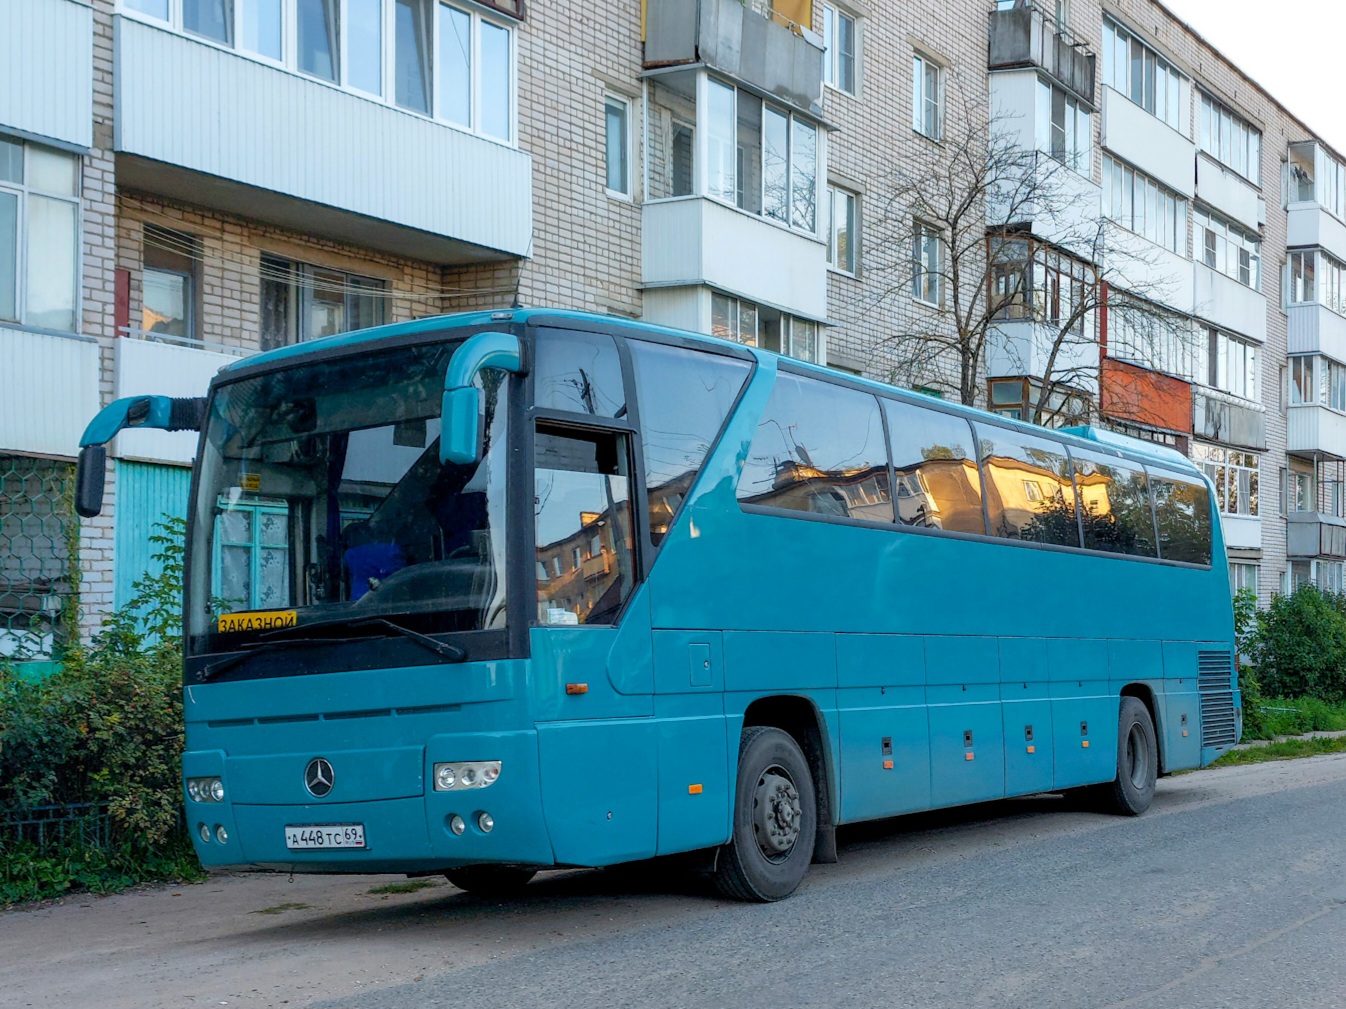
<point x="491" y="880"/>
<point x="1131" y="792"/>
<point x="775" y="819"/>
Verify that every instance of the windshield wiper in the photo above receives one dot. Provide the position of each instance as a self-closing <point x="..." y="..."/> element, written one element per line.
<point x="253" y="647"/>
<point x="451" y="652"/>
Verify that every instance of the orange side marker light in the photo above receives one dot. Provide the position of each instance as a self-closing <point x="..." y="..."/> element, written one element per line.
<point x="1032" y="749"/>
<point x="693" y="789"/>
<point x="1084" y="743"/>
<point x="968" y="756"/>
<point x="1184" y="732"/>
<point x="887" y="765"/>
<point x="577" y="688"/>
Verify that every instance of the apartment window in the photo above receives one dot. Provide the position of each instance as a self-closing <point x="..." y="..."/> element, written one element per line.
<point x="39" y="235"/>
<point x="303" y="302"/>
<point x="1228" y="249"/>
<point x="1064" y="130"/>
<point x="1317" y="177"/>
<point x="843" y="246"/>
<point x="1232" y="365"/>
<point x="1142" y="205"/>
<point x="927" y="109"/>
<point x="1049" y="287"/>
<point x="1230" y="140"/>
<point x="1303" y="391"/>
<point x="439" y="59"/>
<point x="1317" y="277"/>
<point x="1242" y="577"/>
<point x="1284" y="491"/>
<point x="761" y="159"/>
<point x="1137" y="71"/>
<point x="1317" y="381"/>
<point x="839" y="41"/>
<point x="1156" y="339"/>
<point x="762" y="326"/>
<point x="618" y="145"/>
<point x="927" y="255"/>
<point x="169" y="283"/>
<point x="1301" y="491"/>
<point x="1234" y="474"/>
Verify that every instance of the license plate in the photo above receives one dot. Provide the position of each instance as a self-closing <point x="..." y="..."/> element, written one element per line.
<point x="325" y="835"/>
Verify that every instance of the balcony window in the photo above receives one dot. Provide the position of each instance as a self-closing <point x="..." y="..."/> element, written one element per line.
<point x="760" y="158"/>
<point x="169" y="284"/>
<point x="1228" y="249"/>
<point x="1242" y="577"/>
<point x="39" y="235"/>
<point x="1317" y="177"/>
<point x="927" y="273"/>
<point x="1144" y="334"/>
<point x="843" y="245"/>
<point x="1135" y="70"/>
<point x="1038" y="282"/>
<point x="437" y="59"/>
<point x="1314" y="276"/>
<point x="762" y="326"/>
<point x="1142" y="205"/>
<point x="303" y="302"/>
<point x="1230" y="140"/>
<point x="1064" y="129"/>
<point x="1316" y="380"/>
<point x="617" y="136"/>
<point x="840" y="47"/>
<point x="927" y="104"/>
<point x="1231" y="364"/>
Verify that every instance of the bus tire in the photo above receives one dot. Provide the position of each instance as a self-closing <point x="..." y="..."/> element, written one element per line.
<point x="490" y="880"/>
<point x="1130" y="793"/>
<point x="775" y="819"/>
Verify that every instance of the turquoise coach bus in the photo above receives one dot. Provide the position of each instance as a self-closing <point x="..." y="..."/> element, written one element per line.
<point x="498" y="592"/>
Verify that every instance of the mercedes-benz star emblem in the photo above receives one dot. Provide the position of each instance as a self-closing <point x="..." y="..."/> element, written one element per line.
<point x="319" y="777"/>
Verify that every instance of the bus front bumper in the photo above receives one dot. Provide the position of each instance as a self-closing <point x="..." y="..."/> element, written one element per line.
<point x="407" y="825"/>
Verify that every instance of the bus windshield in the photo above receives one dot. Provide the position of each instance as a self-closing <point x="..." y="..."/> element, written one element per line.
<point x="321" y="498"/>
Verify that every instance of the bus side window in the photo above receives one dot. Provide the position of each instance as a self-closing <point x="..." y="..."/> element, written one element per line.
<point x="1182" y="512"/>
<point x="684" y="397"/>
<point x="1114" y="505"/>
<point x="579" y="373"/>
<point x="582" y="509"/>
<point x="934" y="469"/>
<point x="819" y="448"/>
<point x="1029" y="491"/>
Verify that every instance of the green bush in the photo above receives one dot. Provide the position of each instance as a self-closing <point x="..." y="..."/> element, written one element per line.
<point x="1299" y="646"/>
<point x="105" y="729"/>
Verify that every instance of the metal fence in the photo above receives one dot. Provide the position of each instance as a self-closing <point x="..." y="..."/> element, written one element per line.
<point x="37" y="525"/>
<point x="84" y="825"/>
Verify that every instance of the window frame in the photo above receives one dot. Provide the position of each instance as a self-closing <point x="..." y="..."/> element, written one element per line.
<point x="833" y="62"/>
<point x="1117" y="38"/>
<point x="1215" y="113"/>
<point x="479" y="12"/>
<point x="24" y="193"/>
<point x="301" y="285"/>
<point x="627" y="191"/>
<point x="1171" y="214"/>
<point x="837" y="192"/>
<point x="1223" y="240"/>
<point x="923" y="233"/>
<point x="921" y="105"/>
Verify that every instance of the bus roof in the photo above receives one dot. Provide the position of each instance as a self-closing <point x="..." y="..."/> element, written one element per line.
<point x="1083" y="436"/>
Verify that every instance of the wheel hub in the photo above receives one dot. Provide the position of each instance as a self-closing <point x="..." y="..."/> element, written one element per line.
<point x="776" y="813"/>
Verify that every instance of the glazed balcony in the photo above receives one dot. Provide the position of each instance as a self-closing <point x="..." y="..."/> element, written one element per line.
<point x="1025" y="36"/>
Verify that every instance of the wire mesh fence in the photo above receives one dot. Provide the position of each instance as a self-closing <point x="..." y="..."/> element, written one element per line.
<point x="37" y="526"/>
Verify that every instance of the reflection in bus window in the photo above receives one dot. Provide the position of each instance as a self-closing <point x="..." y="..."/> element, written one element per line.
<point x="1182" y="512"/>
<point x="934" y="469"/>
<point x="684" y="397"/>
<point x="819" y="448"/>
<point x="1029" y="491"/>
<point x="578" y="372"/>
<point x="1114" y="506"/>
<point x="582" y="514"/>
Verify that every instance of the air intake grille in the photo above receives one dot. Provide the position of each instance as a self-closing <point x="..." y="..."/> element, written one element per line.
<point x="1214" y="676"/>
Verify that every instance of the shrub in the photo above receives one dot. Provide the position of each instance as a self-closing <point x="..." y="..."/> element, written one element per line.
<point x="1299" y="646"/>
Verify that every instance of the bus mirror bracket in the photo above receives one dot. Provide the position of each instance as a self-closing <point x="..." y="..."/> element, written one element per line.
<point x="460" y="427"/>
<point x="163" y="413"/>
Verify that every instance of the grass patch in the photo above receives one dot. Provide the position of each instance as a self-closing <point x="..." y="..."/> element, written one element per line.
<point x="281" y="908"/>
<point x="405" y="886"/>
<point x="1294" y="716"/>
<point x="1288" y="749"/>
<point x="28" y="873"/>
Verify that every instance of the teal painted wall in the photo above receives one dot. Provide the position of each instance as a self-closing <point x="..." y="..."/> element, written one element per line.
<point x="145" y="494"/>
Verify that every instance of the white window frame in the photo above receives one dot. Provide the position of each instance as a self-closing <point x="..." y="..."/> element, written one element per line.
<point x="834" y="194"/>
<point x="1077" y="149"/>
<point x="832" y="56"/>
<point x="1176" y="113"/>
<point x="23" y="192"/>
<point x="289" y="61"/>
<point x="1164" y="223"/>
<point x="628" y="153"/>
<point x="924" y="233"/>
<point x="1218" y="121"/>
<point x="791" y="342"/>
<point x="921" y="65"/>
<point x="1227" y="240"/>
<point x="1241" y="573"/>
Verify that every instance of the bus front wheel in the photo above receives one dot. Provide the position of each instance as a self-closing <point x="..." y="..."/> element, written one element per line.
<point x="775" y="819"/>
<point x="1130" y="793"/>
<point x="490" y="880"/>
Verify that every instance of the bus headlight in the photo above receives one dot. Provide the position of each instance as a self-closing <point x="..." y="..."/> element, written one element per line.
<point x="205" y="789"/>
<point x="464" y="774"/>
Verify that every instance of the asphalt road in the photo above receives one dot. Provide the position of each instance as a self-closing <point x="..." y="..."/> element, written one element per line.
<point x="1231" y="892"/>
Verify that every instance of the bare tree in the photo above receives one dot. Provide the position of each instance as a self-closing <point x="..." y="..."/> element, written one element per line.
<point x="1026" y="270"/>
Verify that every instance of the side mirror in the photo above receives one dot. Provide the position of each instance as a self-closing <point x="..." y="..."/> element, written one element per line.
<point x="89" y="474"/>
<point x="460" y="434"/>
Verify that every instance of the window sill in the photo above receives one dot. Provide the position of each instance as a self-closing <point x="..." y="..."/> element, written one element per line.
<point x="19" y="327"/>
<point x="837" y="90"/>
<point x="927" y="304"/>
<point x="619" y="196"/>
<point x="848" y="275"/>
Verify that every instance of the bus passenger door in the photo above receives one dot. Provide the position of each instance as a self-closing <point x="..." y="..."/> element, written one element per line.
<point x="1025" y="693"/>
<point x="967" y="738"/>
<point x="885" y="732"/>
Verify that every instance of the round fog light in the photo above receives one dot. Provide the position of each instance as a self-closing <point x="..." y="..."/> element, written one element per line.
<point x="221" y="834"/>
<point x="445" y="777"/>
<point x="456" y="824"/>
<point x="193" y="789"/>
<point x="217" y="789"/>
<point x="485" y="821"/>
<point x="204" y="831"/>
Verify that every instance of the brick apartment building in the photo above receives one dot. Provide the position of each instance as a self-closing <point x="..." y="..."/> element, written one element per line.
<point x="183" y="182"/>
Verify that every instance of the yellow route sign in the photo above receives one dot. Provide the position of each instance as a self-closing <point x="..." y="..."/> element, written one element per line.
<point x="258" y="620"/>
